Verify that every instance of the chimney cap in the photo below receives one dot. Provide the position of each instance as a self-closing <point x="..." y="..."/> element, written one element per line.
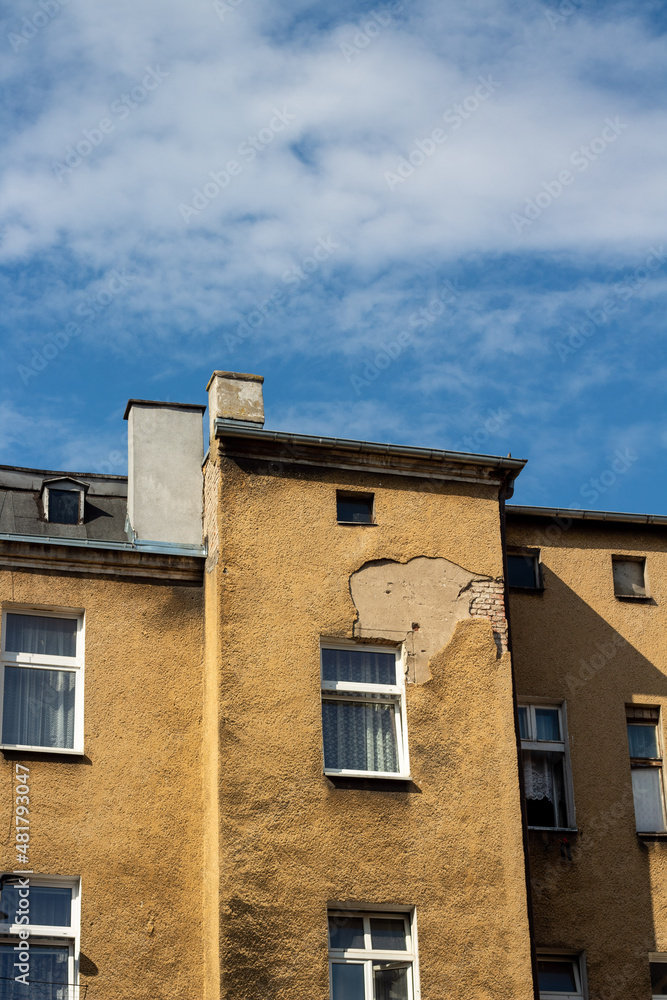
<point x="158" y="402"/>
<point x="241" y="376"/>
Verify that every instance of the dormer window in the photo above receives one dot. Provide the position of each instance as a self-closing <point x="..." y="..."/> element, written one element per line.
<point x="63" y="500"/>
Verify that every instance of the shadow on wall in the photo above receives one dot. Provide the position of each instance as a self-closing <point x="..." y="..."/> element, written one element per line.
<point x="594" y="891"/>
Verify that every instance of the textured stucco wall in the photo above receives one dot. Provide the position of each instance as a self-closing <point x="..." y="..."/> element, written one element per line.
<point x="290" y="841"/>
<point x="577" y="643"/>
<point x="126" y="818"/>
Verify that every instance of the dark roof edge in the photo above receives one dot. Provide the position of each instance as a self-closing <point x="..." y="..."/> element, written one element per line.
<point x="63" y="475"/>
<point x="587" y="515"/>
<point x="225" y="428"/>
<point x="161" y="403"/>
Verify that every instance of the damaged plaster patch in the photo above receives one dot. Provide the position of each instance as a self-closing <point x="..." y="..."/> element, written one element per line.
<point x="391" y="597"/>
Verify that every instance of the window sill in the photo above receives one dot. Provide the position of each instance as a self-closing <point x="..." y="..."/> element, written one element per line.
<point x="556" y="829"/>
<point x="359" y="524"/>
<point x="525" y="590"/>
<point x="370" y="775"/>
<point x="647" y="835"/>
<point x="645" y="598"/>
<point x="12" y="748"/>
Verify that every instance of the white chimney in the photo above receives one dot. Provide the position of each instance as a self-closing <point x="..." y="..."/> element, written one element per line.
<point x="235" y="397"/>
<point x="165" y="446"/>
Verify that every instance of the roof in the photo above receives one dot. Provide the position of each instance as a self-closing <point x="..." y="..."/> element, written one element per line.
<point x="248" y="441"/>
<point x="105" y="507"/>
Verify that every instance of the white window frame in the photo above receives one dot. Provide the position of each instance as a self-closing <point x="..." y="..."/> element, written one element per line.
<point x="48" y="934"/>
<point x="644" y="763"/>
<point x="578" y="960"/>
<point x="562" y="746"/>
<point x="393" y="694"/>
<point x="367" y="955"/>
<point x="658" y="958"/>
<point x="74" y="664"/>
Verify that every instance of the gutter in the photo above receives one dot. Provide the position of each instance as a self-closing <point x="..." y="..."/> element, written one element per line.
<point x="156" y="548"/>
<point x="235" y="429"/>
<point x="587" y="515"/>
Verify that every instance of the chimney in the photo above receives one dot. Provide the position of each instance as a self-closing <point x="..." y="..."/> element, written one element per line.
<point x="165" y="445"/>
<point x="235" y="397"/>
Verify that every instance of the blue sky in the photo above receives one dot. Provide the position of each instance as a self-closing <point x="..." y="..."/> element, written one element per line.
<point x="422" y="221"/>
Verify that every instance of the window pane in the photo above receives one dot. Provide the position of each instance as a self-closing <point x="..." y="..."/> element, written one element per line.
<point x="556" y="977"/>
<point x="359" y="736"/>
<point x="358" y="666"/>
<point x="47" y="905"/>
<point x="347" y="981"/>
<point x="629" y="577"/>
<point x="358" y="509"/>
<point x="521" y="571"/>
<point x="36" y="634"/>
<point x="659" y="978"/>
<point x="47" y="975"/>
<point x="390" y="981"/>
<point x="38" y="707"/>
<point x="544" y="784"/>
<point x="64" y="506"/>
<point x="346" y="932"/>
<point x="643" y="741"/>
<point x="648" y="799"/>
<point x="523" y="724"/>
<point x="388" y="935"/>
<point x="547" y="724"/>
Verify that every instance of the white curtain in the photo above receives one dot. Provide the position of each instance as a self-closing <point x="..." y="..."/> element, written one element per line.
<point x="38" y="708"/>
<point x="37" y="634"/>
<point x="538" y="776"/>
<point x="359" y="736"/>
<point x="648" y="799"/>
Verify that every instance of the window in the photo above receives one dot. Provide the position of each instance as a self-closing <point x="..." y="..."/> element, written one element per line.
<point x="372" y="956"/>
<point x="42" y="680"/>
<point x="354" y="508"/>
<point x="523" y="570"/>
<point x="64" y="500"/>
<point x="546" y="771"/>
<point x="658" y="967"/>
<point x="560" y="976"/>
<point x="645" y="748"/>
<point x="363" y="711"/>
<point x="629" y="576"/>
<point x="51" y="959"/>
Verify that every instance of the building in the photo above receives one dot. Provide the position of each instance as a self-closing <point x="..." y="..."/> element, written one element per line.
<point x="341" y="704"/>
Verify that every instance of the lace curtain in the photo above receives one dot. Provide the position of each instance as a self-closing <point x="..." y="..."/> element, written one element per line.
<point x="359" y="736"/>
<point x="38" y="708"/>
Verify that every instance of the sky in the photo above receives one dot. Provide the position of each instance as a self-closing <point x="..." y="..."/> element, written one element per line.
<point x="424" y="222"/>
